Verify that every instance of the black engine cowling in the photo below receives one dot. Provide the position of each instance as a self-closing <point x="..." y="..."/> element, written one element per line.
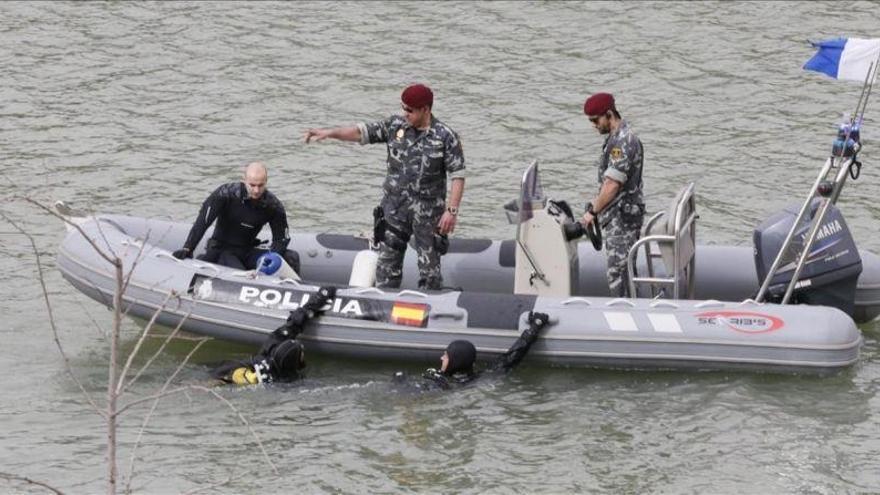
<point x="832" y="270"/>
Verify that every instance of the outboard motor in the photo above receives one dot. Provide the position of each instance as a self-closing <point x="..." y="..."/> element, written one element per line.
<point x="832" y="269"/>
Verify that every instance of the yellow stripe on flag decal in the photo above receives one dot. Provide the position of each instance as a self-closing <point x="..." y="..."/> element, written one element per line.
<point x="409" y="314"/>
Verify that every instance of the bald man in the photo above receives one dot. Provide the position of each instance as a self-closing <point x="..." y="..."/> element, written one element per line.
<point x="241" y="209"/>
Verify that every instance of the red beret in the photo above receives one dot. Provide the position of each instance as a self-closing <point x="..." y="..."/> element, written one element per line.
<point x="417" y="96"/>
<point x="598" y="104"/>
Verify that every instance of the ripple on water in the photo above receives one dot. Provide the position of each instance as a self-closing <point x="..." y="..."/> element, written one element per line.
<point x="143" y="108"/>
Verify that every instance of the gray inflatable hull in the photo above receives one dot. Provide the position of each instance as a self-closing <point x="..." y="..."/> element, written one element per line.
<point x="588" y="330"/>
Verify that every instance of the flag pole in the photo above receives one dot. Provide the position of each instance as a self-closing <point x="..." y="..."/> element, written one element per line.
<point x="845" y="164"/>
<point x="857" y="117"/>
<point x="870" y="79"/>
<point x="866" y="92"/>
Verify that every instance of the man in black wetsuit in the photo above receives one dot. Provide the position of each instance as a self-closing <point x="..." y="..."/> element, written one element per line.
<point x="457" y="363"/>
<point x="281" y="359"/>
<point x="240" y="209"/>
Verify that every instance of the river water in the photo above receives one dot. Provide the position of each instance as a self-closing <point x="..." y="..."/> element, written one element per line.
<point x="144" y="108"/>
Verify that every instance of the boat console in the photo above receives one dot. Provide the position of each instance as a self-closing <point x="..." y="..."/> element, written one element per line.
<point x="546" y="260"/>
<point x="548" y="233"/>
<point x="671" y="237"/>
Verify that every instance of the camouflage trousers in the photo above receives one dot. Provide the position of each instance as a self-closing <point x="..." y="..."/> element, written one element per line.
<point x="418" y="219"/>
<point x="619" y="237"/>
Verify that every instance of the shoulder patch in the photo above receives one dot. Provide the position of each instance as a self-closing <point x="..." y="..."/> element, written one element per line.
<point x="399" y="134"/>
<point x="616" y="153"/>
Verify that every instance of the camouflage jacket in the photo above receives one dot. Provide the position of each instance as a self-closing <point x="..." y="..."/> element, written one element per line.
<point x="419" y="162"/>
<point x="621" y="160"/>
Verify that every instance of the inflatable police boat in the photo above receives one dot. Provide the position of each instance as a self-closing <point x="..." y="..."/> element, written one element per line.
<point x="695" y="310"/>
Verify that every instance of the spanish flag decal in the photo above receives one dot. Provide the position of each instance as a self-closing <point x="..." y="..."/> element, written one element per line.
<point x="411" y="314"/>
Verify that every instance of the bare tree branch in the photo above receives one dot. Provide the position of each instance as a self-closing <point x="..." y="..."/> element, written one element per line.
<point x="103" y="298"/>
<point x="94" y="245"/>
<point x="137" y="346"/>
<point x="104" y="238"/>
<point x="243" y="420"/>
<point x="159" y="395"/>
<point x="131" y="301"/>
<point x="109" y="302"/>
<point x="134" y="264"/>
<point x="13" y="477"/>
<point x="91" y="318"/>
<point x="143" y="243"/>
<point x="52" y="324"/>
<point x="113" y="377"/>
<point x="160" y="349"/>
<point x="180" y="337"/>
<point x="116" y="385"/>
<point x="149" y="414"/>
<point x="72" y="224"/>
<point x="184" y="389"/>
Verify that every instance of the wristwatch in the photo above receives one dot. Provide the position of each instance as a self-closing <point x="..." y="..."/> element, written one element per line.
<point x="590" y="209"/>
<point x="453" y="210"/>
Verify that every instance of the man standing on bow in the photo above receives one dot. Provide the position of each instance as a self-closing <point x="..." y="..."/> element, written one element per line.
<point x="422" y="153"/>
<point x="619" y="206"/>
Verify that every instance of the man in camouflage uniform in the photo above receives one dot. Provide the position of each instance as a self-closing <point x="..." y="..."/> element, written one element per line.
<point x="620" y="206"/>
<point x="422" y="153"/>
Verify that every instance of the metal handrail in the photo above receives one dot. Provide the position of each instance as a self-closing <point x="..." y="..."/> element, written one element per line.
<point x="680" y="225"/>
<point x="579" y="300"/>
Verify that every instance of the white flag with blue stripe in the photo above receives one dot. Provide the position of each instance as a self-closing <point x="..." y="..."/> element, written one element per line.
<point x="845" y="58"/>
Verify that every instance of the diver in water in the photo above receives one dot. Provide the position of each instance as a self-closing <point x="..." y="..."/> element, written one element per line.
<point x="457" y="362"/>
<point x="281" y="358"/>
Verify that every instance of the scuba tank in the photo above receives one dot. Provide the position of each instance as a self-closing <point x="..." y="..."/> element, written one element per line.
<point x="363" y="270"/>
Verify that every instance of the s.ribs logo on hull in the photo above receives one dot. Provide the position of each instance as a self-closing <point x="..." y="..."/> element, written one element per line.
<point x="741" y="321"/>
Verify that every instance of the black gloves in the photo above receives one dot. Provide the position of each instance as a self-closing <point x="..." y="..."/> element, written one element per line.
<point x="538" y="320"/>
<point x="299" y="316"/>
<point x="317" y="301"/>
<point x="536" y="323"/>
<point x="182" y="253"/>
